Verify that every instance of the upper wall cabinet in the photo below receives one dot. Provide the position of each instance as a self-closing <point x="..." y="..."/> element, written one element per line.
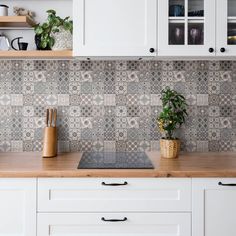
<point x="115" y="28"/>
<point x="186" y="27"/>
<point x="226" y="28"/>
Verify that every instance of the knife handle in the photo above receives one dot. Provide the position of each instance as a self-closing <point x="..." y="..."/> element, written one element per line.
<point x="47" y="117"/>
<point x="50" y="117"/>
<point x="55" y="117"/>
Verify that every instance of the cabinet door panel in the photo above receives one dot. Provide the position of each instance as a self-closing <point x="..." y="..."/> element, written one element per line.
<point x="17" y="207"/>
<point x="186" y="28"/>
<point x="90" y="195"/>
<point x="114" y="27"/>
<point x="214" y="207"/>
<point x="91" y="224"/>
<point x="226" y="27"/>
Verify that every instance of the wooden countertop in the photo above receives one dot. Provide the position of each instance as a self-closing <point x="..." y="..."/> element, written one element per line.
<point x="65" y="165"/>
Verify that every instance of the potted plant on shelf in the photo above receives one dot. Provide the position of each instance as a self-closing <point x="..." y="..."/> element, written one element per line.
<point x="55" y="33"/>
<point x="171" y="118"/>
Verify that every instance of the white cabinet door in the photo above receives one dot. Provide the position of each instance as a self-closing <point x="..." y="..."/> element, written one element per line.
<point x="94" y="224"/>
<point x="214" y="207"/>
<point x="186" y="27"/>
<point x="114" y="27"/>
<point x="17" y="207"/>
<point x="226" y="27"/>
<point x="100" y="194"/>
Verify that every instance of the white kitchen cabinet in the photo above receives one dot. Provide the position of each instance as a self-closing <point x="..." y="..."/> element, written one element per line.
<point x="186" y="27"/>
<point x="124" y="224"/>
<point x="115" y="27"/>
<point x="17" y="207"/>
<point x="226" y="27"/>
<point x="114" y="195"/>
<point x="214" y="207"/>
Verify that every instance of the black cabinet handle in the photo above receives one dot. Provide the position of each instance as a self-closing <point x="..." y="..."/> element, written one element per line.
<point x="115" y="184"/>
<point x="151" y="50"/>
<point x="211" y="50"/>
<point x="222" y="50"/>
<point x="221" y="184"/>
<point x="114" y="220"/>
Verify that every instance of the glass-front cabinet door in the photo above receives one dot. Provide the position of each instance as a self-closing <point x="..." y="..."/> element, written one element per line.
<point x="186" y="28"/>
<point x="226" y="27"/>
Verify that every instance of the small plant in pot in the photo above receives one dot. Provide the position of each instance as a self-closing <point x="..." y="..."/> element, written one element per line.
<point x="171" y="118"/>
<point x="55" y="33"/>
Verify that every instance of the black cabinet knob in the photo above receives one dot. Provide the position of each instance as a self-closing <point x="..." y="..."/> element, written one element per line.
<point x="211" y="50"/>
<point x="222" y="50"/>
<point x="151" y="50"/>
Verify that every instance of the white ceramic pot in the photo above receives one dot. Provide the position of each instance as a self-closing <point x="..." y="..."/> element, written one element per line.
<point x="3" y="10"/>
<point x="63" y="40"/>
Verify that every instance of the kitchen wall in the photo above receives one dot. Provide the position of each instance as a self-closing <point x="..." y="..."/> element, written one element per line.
<point x="113" y="105"/>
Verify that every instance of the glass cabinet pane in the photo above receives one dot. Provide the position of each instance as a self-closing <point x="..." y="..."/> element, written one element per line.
<point x="231" y="33"/>
<point x="196" y="8"/>
<point x="196" y="34"/>
<point x="231" y="37"/>
<point x="186" y="22"/>
<point x="231" y="8"/>
<point x="176" y="8"/>
<point x="176" y="34"/>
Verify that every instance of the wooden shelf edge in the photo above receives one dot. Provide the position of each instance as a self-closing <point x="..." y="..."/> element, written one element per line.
<point x="16" y="21"/>
<point x="36" y="54"/>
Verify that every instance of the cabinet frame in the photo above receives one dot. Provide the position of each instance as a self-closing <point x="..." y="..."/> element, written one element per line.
<point x="199" y="187"/>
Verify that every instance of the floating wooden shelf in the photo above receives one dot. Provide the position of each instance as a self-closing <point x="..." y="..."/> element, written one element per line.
<point x="36" y="54"/>
<point x="16" y="21"/>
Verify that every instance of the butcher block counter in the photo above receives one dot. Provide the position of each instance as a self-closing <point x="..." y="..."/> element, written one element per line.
<point x="65" y="165"/>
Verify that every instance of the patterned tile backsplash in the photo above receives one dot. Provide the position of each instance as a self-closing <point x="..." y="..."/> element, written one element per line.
<point x="113" y="105"/>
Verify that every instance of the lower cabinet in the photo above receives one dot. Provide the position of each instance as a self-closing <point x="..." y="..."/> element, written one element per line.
<point x="214" y="207"/>
<point x="120" y="207"/>
<point x="18" y="207"/>
<point x="118" y="224"/>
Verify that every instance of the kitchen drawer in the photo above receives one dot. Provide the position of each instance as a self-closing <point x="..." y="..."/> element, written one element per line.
<point x="91" y="224"/>
<point x="106" y="195"/>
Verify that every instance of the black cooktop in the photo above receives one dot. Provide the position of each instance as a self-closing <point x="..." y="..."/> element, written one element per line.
<point x="115" y="160"/>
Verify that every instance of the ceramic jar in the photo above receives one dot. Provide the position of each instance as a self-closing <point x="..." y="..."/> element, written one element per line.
<point x="63" y="40"/>
<point x="3" y="10"/>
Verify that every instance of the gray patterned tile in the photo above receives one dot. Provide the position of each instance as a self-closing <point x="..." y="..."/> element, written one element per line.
<point x="113" y="105"/>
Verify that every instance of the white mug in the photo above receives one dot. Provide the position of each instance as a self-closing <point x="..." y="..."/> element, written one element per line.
<point x="3" y="10"/>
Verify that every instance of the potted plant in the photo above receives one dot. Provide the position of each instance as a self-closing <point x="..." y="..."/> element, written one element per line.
<point x="171" y="118"/>
<point x="55" y="33"/>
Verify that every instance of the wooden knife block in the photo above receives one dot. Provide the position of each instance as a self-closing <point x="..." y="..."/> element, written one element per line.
<point x="50" y="142"/>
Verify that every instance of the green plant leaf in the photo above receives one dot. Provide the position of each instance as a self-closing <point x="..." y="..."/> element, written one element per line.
<point x="52" y="12"/>
<point x="38" y="30"/>
<point x="45" y="25"/>
<point x="43" y="43"/>
<point x="51" y="42"/>
<point x="67" y="25"/>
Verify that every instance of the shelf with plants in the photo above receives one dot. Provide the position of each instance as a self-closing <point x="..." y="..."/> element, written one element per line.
<point x="25" y="20"/>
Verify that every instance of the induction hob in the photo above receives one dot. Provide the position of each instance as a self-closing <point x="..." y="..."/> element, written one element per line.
<point x="115" y="160"/>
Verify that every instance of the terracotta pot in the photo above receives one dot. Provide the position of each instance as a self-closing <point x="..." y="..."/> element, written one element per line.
<point x="169" y="148"/>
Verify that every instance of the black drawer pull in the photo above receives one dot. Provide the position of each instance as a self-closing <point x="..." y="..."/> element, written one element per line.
<point x="114" y="220"/>
<point x="115" y="184"/>
<point x="221" y="184"/>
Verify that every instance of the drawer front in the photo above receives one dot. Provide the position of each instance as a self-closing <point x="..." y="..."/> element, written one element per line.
<point x="114" y="195"/>
<point x="91" y="224"/>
